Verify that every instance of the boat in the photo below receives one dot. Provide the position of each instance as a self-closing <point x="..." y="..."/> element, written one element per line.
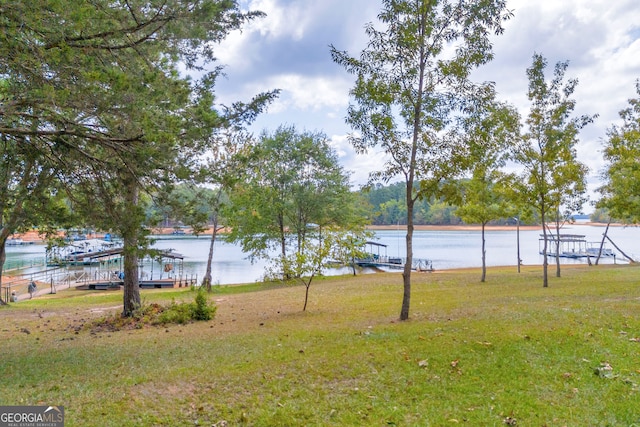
<point x="83" y="252"/>
<point x="14" y="241"/>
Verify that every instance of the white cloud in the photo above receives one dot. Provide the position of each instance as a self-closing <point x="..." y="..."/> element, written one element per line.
<point x="288" y="21"/>
<point x="312" y="93"/>
<point x="288" y="49"/>
<point x="238" y="49"/>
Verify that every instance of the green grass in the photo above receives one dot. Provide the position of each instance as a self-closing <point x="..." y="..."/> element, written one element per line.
<point x="471" y="354"/>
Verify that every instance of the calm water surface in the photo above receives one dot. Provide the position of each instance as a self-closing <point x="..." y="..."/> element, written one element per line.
<point x="446" y="249"/>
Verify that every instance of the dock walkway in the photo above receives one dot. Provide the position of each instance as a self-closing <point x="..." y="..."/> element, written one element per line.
<point x="377" y="260"/>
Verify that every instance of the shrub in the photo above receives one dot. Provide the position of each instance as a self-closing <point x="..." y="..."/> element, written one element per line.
<point x="202" y="308"/>
<point x="174" y="313"/>
<point x="156" y="314"/>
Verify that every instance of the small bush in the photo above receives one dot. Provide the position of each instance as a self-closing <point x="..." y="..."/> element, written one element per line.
<point x="202" y="309"/>
<point x="175" y="314"/>
<point x="156" y="314"/>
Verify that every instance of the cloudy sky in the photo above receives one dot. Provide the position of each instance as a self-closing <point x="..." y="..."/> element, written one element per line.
<point x="289" y="50"/>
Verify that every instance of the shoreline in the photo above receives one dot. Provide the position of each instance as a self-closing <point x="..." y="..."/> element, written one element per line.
<point x="477" y="227"/>
<point x="33" y="236"/>
<point x="463" y="227"/>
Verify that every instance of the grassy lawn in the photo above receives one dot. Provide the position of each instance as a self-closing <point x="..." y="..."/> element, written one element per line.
<point x="506" y="352"/>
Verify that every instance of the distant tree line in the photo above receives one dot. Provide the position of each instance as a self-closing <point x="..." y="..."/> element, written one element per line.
<point x="387" y="207"/>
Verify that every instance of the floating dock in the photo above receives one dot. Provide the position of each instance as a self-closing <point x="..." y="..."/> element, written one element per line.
<point x="572" y="246"/>
<point x="104" y="275"/>
<point x="378" y="260"/>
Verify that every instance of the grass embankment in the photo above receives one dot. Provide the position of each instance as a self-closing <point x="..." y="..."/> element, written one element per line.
<point x="499" y="353"/>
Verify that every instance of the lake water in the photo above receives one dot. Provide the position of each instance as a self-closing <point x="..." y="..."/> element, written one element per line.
<point x="446" y="249"/>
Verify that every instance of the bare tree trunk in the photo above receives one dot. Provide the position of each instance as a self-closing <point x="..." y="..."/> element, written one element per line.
<point x="484" y="256"/>
<point x="283" y="245"/>
<point x="623" y="254"/>
<point x="307" y="285"/>
<point x="406" y="275"/>
<point x="206" y="281"/>
<point x="545" y="262"/>
<point x="131" y="299"/>
<point x="604" y="236"/>
<point x="3" y="258"/>
<point x="557" y="246"/>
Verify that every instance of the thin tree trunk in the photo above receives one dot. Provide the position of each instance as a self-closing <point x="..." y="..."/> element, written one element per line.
<point x="353" y="266"/>
<point x="307" y="285"/>
<point x="604" y="236"/>
<point x="406" y="275"/>
<point x="3" y="258"/>
<point x="410" y="173"/>
<point x="484" y="256"/>
<point x="545" y="262"/>
<point x="557" y="246"/>
<point x="206" y="281"/>
<point x="623" y="254"/>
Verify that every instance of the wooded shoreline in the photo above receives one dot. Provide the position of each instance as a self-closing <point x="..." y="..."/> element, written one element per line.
<point x="32" y="236"/>
<point x="476" y="227"/>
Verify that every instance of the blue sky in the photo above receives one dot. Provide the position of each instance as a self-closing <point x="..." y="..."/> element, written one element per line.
<point x="289" y="50"/>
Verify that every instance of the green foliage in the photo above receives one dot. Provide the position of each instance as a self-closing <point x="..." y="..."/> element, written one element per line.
<point x="99" y="105"/>
<point x="412" y="86"/>
<point x="553" y="178"/>
<point x="183" y="204"/>
<point x="388" y="205"/>
<point x="621" y="190"/>
<point x="201" y="309"/>
<point x="602" y="215"/>
<point x="174" y="313"/>
<point x="292" y="186"/>
<point x="553" y="182"/>
<point x="491" y="134"/>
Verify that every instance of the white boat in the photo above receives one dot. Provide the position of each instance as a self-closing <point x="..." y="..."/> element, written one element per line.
<point x="83" y="252"/>
<point x="17" y="242"/>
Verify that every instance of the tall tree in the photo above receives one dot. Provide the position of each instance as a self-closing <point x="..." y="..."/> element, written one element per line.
<point x="29" y="192"/>
<point x="97" y="82"/>
<point x="293" y="188"/>
<point x="621" y="188"/>
<point x="483" y="197"/>
<point x="411" y="81"/>
<point x="223" y="168"/>
<point x="552" y="174"/>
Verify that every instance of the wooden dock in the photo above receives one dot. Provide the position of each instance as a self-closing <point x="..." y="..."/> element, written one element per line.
<point x="101" y="277"/>
<point x="417" y="264"/>
<point x="144" y="284"/>
<point x="378" y="260"/>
